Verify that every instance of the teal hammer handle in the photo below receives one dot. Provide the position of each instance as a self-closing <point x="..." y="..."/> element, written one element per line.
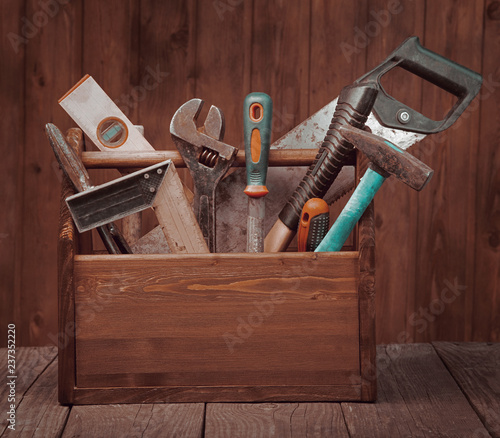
<point x="352" y="212"/>
<point x="257" y="120"/>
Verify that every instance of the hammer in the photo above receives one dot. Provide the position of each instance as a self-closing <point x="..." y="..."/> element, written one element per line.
<point x="386" y="159"/>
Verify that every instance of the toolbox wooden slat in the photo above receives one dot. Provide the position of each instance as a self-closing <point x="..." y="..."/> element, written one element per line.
<point x="277" y="157"/>
<point x="217" y="327"/>
<point x="230" y="311"/>
<point x="197" y="394"/>
<point x="66" y="249"/>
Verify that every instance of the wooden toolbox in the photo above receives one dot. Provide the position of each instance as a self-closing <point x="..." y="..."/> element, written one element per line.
<point x="216" y="327"/>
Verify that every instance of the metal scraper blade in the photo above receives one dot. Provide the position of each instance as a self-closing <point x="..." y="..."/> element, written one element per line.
<point x="118" y="198"/>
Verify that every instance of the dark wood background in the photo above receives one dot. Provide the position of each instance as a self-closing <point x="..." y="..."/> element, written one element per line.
<point x="438" y="251"/>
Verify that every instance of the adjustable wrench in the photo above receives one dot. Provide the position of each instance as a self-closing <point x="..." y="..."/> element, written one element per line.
<point x="206" y="156"/>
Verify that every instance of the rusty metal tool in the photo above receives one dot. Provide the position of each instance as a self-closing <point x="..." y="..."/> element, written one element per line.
<point x="110" y="130"/>
<point x="117" y="199"/>
<point x="232" y="208"/>
<point x="313" y="225"/>
<point x="386" y="159"/>
<point x="257" y="119"/>
<point x="207" y="158"/>
<point x="74" y="169"/>
<point x="355" y="104"/>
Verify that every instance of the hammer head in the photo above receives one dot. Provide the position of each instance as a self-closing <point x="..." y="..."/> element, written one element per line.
<point x="389" y="158"/>
<point x="202" y="149"/>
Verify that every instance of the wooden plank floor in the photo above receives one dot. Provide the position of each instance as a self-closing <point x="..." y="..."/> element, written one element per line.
<point x="443" y="389"/>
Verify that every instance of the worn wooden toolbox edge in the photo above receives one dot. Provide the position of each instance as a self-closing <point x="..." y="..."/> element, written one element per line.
<point x="84" y="341"/>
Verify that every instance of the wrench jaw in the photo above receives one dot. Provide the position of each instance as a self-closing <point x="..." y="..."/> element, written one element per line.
<point x="215" y="124"/>
<point x="206" y="156"/>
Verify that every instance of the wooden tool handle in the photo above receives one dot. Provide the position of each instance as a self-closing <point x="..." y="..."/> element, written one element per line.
<point x="353" y="107"/>
<point x="176" y="217"/>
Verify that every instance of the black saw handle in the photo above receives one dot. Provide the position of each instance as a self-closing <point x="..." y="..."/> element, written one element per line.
<point x="366" y="94"/>
<point x="436" y="69"/>
<point x="353" y="107"/>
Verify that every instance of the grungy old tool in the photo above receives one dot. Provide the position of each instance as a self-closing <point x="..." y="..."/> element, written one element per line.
<point x="207" y="158"/>
<point x="118" y="198"/>
<point x="232" y="208"/>
<point x="355" y="104"/>
<point x="386" y="159"/>
<point x="111" y="131"/>
<point x="150" y="187"/>
<point x="74" y="169"/>
<point x="313" y="225"/>
<point x="257" y="119"/>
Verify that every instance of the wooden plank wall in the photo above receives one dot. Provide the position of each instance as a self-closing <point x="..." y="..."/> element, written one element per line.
<point x="438" y="252"/>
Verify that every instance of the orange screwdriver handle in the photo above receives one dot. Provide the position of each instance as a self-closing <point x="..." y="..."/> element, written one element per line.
<point x="313" y="225"/>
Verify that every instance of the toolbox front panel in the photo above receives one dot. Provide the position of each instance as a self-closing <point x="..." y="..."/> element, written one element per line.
<point x="225" y="320"/>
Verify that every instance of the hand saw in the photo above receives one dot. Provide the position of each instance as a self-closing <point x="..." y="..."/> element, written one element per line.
<point x="232" y="206"/>
<point x="110" y="130"/>
<point x="355" y="104"/>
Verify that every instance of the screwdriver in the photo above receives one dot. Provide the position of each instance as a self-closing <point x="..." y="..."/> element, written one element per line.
<point x="257" y="118"/>
<point x="313" y="225"/>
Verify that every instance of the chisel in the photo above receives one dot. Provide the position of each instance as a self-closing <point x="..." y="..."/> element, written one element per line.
<point x="313" y="224"/>
<point x="257" y="119"/>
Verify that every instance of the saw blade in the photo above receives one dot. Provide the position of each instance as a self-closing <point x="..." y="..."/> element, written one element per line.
<point x="311" y="132"/>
